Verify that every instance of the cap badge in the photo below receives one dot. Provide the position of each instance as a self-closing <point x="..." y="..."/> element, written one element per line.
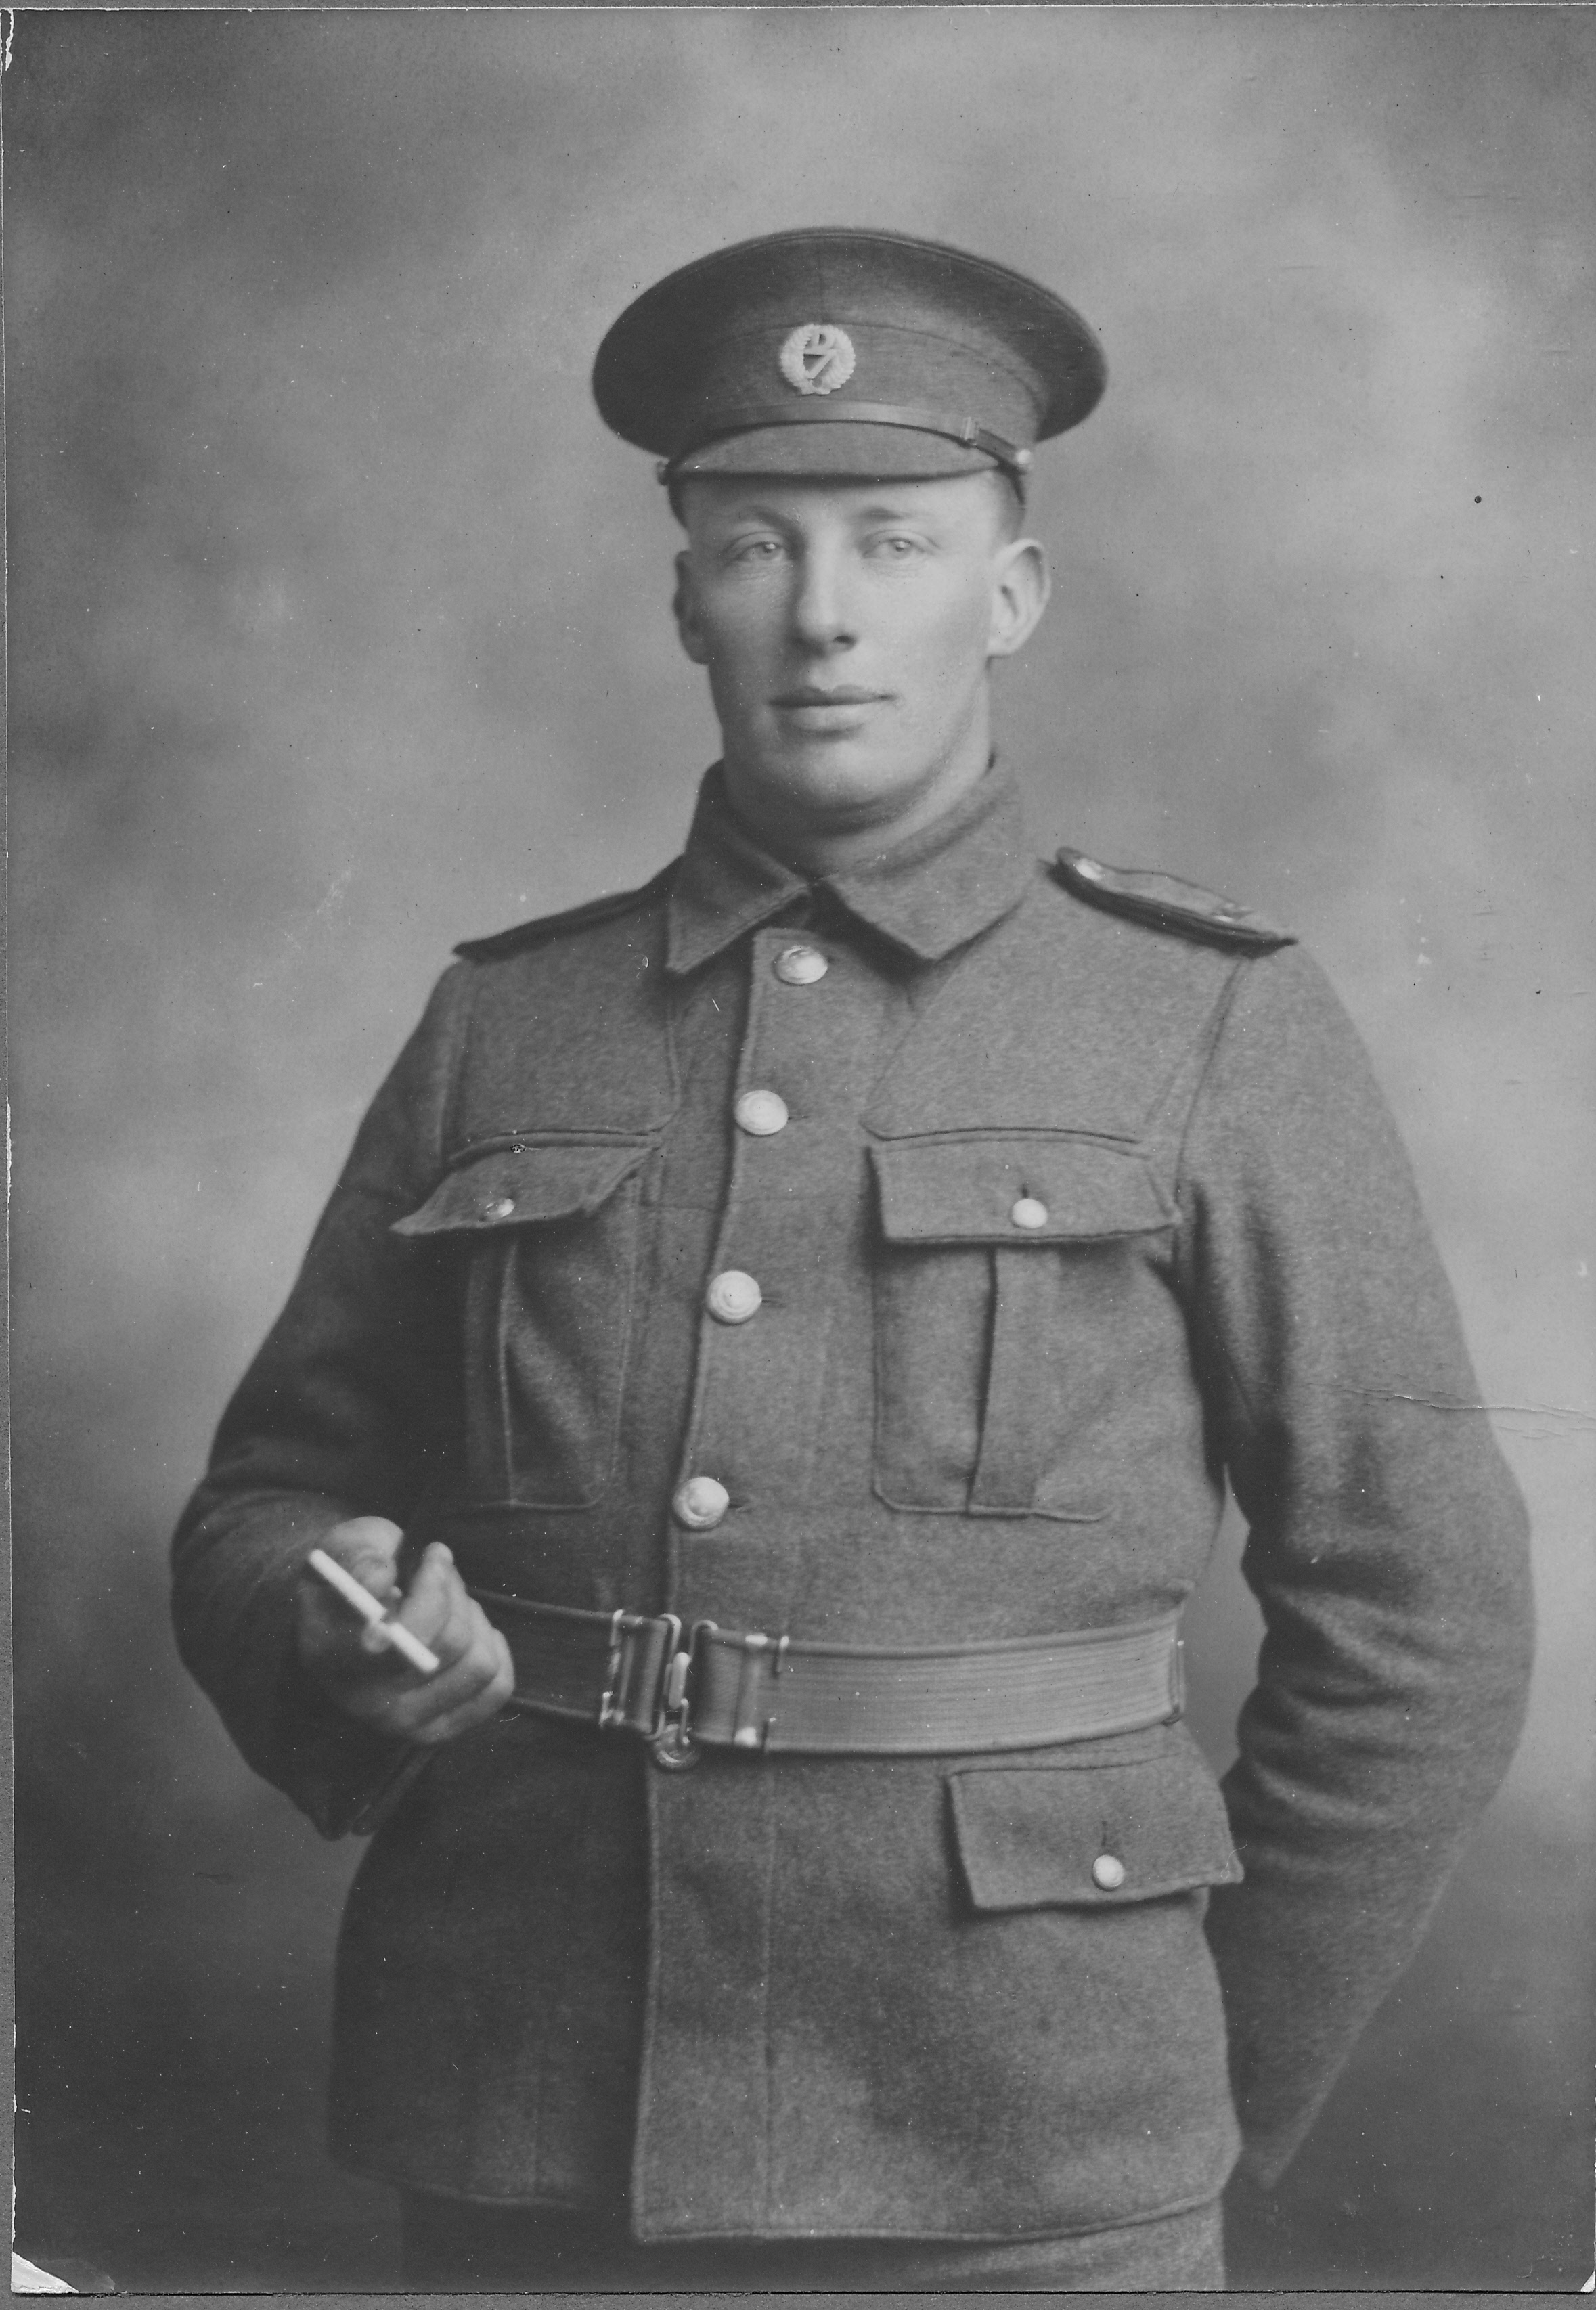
<point x="818" y="358"/>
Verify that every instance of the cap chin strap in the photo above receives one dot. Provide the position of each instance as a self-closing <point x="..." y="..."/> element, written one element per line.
<point x="1007" y="454"/>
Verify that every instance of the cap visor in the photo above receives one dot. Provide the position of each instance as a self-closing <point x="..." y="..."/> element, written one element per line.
<point x="836" y="450"/>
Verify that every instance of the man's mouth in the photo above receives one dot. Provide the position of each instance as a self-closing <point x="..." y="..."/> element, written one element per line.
<point x="846" y="695"/>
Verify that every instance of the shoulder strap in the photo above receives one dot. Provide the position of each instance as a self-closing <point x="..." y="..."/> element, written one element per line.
<point x="1166" y="903"/>
<point x="522" y="936"/>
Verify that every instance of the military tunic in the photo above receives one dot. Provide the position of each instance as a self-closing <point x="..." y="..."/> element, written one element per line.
<point x="1046" y="1218"/>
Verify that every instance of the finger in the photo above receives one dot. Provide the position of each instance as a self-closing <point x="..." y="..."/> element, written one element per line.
<point x="390" y="1637"/>
<point x="435" y="1610"/>
<point x="428" y="1695"/>
<point x="463" y="1632"/>
<point x="482" y="1663"/>
<point x="337" y="1644"/>
<point x="416" y="1712"/>
<point x="436" y="1605"/>
<point x="376" y="1684"/>
<point x="337" y="1660"/>
<point x="473" y="1689"/>
<point x="479" y="1709"/>
<point x="331" y="1638"/>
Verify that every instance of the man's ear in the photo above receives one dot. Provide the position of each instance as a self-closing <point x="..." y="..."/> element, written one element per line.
<point x="1021" y="583"/>
<point x="684" y="606"/>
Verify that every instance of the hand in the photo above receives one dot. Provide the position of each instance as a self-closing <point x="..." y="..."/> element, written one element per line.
<point x="366" y="1677"/>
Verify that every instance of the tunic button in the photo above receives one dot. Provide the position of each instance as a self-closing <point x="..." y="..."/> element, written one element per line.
<point x="700" y="1503"/>
<point x="760" y="1113"/>
<point x="733" y="1296"/>
<point x="1027" y="1212"/>
<point x="799" y="965"/>
<point x="1108" y="1872"/>
<point x="499" y="1207"/>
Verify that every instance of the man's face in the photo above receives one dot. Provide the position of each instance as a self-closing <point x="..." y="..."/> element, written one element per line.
<point x="846" y="630"/>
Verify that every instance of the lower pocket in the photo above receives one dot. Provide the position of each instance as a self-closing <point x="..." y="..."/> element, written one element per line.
<point x="1085" y="1835"/>
<point x="1092" y="2028"/>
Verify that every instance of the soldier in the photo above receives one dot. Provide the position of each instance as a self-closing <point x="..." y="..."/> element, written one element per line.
<point x="781" y="1340"/>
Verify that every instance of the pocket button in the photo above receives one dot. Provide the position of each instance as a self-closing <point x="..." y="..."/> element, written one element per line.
<point x="499" y="1207"/>
<point x="1027" y="1212"/>
<point x="1108" y="1872"/>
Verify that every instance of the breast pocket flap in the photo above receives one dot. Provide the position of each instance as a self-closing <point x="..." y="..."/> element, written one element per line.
<point x="517" y="1184"/>
<point x="1090" y="1838"/>
<point x="969" y="1190"/>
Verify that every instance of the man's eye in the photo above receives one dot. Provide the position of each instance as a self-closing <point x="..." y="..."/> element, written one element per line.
<point x="896" y="549"/>
<point x="757" y="548"/>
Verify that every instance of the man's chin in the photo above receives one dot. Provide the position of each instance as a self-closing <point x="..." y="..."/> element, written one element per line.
<point x="833" y="782"/>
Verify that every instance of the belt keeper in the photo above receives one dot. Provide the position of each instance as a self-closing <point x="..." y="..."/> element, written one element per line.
<point x="608" y="1712"/>
<point x="747" y="1731"/>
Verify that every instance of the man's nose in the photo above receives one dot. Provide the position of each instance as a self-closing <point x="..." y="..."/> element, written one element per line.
<point x="822" y="610"/>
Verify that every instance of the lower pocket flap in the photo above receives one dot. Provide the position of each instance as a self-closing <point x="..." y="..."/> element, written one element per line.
<point x="512" y="1184"/>
<point x="1090" y="1836"/>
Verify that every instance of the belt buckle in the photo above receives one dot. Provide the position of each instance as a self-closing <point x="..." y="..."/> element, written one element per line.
<point x="674" y="1749"/>
<point x="620" y="1705"/>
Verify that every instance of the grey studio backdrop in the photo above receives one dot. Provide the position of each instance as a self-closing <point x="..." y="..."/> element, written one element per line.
<point x="340" y="633"/>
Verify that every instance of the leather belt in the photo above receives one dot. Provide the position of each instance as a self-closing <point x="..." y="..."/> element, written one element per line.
<point x="710" y="1687"/>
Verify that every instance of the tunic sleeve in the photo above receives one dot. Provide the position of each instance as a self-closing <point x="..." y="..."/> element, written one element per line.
<point x="347" y="1409"/>
<point x="1387" y="1540"/>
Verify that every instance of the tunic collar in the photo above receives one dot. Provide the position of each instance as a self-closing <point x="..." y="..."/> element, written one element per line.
<point x="934" y="892"/>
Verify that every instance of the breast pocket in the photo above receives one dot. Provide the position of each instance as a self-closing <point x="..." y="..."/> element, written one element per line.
<point x="547" y="1237"/>
<point x="1004" y="1266"/>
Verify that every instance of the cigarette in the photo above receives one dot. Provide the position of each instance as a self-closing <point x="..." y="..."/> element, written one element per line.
<point x="391" y="1632"/>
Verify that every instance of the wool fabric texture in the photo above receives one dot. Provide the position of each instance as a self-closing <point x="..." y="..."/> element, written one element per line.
<point x="871" y="1997"/>
<point x="453" y="2246"/>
